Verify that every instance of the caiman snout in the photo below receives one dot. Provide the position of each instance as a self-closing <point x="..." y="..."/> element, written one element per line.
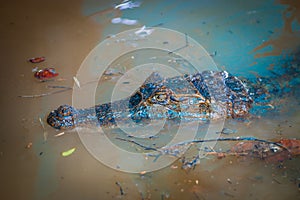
<point x="63" y="117"/>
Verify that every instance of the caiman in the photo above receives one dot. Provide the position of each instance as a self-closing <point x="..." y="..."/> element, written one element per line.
<point x="202" y="96"/>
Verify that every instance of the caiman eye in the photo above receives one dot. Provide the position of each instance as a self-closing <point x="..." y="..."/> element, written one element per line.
<point x="161" y="97"/>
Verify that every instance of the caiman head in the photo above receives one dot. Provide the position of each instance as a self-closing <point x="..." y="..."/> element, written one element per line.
<point x="63" y="117"/>
<point x="201" y="96"/>
<point x="169" y="98"/>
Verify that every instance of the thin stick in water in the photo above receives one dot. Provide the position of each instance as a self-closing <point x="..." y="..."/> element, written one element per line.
<point x="186" y="45"/>
<point x="138" y="144"/>
<point x="46" y="94"/>
<point x="121" y="189"/>
<point x="45" y="133"/>
<point x="59" y="134"/>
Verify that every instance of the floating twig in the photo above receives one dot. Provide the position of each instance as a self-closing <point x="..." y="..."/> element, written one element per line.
<point x="76" y="81"/>
<point x="42" y="123"/>
<point x="197" y="196"/>
<point x="186" y="45"/>
<point x="142" y="197"/>
<point x="48" y="93"/>
<point x="190" y="164"/>
<point x="275" y="180"/>
<point x="127" y="5"/>
<point x="45" y="133"/>
<point x="59" y="134"/>
<point x="58" y="86"/>
<point x="121" y="189"/>
<point x="186" y="40"/>
<point x="236" y="139"/>
<point x="144" y="31"/>
<point x="157" y="25"/>
<point x="138" y="144"/>
<point x="174" y="150"/>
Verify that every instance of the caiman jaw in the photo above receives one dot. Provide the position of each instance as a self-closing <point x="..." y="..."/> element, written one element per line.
<point x="63" y="117"/>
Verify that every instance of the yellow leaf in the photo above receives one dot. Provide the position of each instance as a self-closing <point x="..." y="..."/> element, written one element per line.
<point x="68" y="152"/>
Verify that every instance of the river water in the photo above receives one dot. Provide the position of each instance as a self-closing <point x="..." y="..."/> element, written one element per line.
<point x="245" y="38"/>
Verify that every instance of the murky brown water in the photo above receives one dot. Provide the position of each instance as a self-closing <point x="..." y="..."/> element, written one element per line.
<point x="58" y="30"/>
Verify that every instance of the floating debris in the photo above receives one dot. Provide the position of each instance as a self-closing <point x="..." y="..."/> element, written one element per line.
<point x="68" y="152"/>
<point x="157" y="25"/>
<point x="116" y="20"/>
<point x="59" y="134"/>
<point x="112" y="72"/>
<point x="276" y="181"/>
<point x="229" y="180"/>
<point x="47" y="94"/>
<point x="190" y="164"/>
<point x="227" y="131"/>
<point x="76" y="81"/>
<point x="213" y="54"/>
<point x="125" y="21"/>
<point x="35" y="69"/>
<point x="247" y="146"/>
<point x="37" y="59"/>
<point x="165" y="195"/>
<point x="129" y="22"/>
<point x="127" y="5"/>
<point x="271" y="32"/>
<point x="251" y="12"/>
<point x="186" y="45"/>
<point x="228" y="194"/>
<point x="143" y="172"/>
<point x="121" y="189"/>
<point x="144" y="31"/>
<point x="45" y="133"/>
<point x="42" y="123"/>
<point x="138" y="144"/>
<point x="46" y="73"/>
<point x="293" y="145"/>
<point x="197" y="196"/>
<point x="270" y="105"/>
<point x="29" y="145"/>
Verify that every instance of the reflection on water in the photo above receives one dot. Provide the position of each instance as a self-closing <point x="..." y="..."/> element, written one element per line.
<point x="65" y="34"/>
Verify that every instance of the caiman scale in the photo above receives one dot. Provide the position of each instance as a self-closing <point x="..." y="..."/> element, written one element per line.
<point x="201" y="96"/>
